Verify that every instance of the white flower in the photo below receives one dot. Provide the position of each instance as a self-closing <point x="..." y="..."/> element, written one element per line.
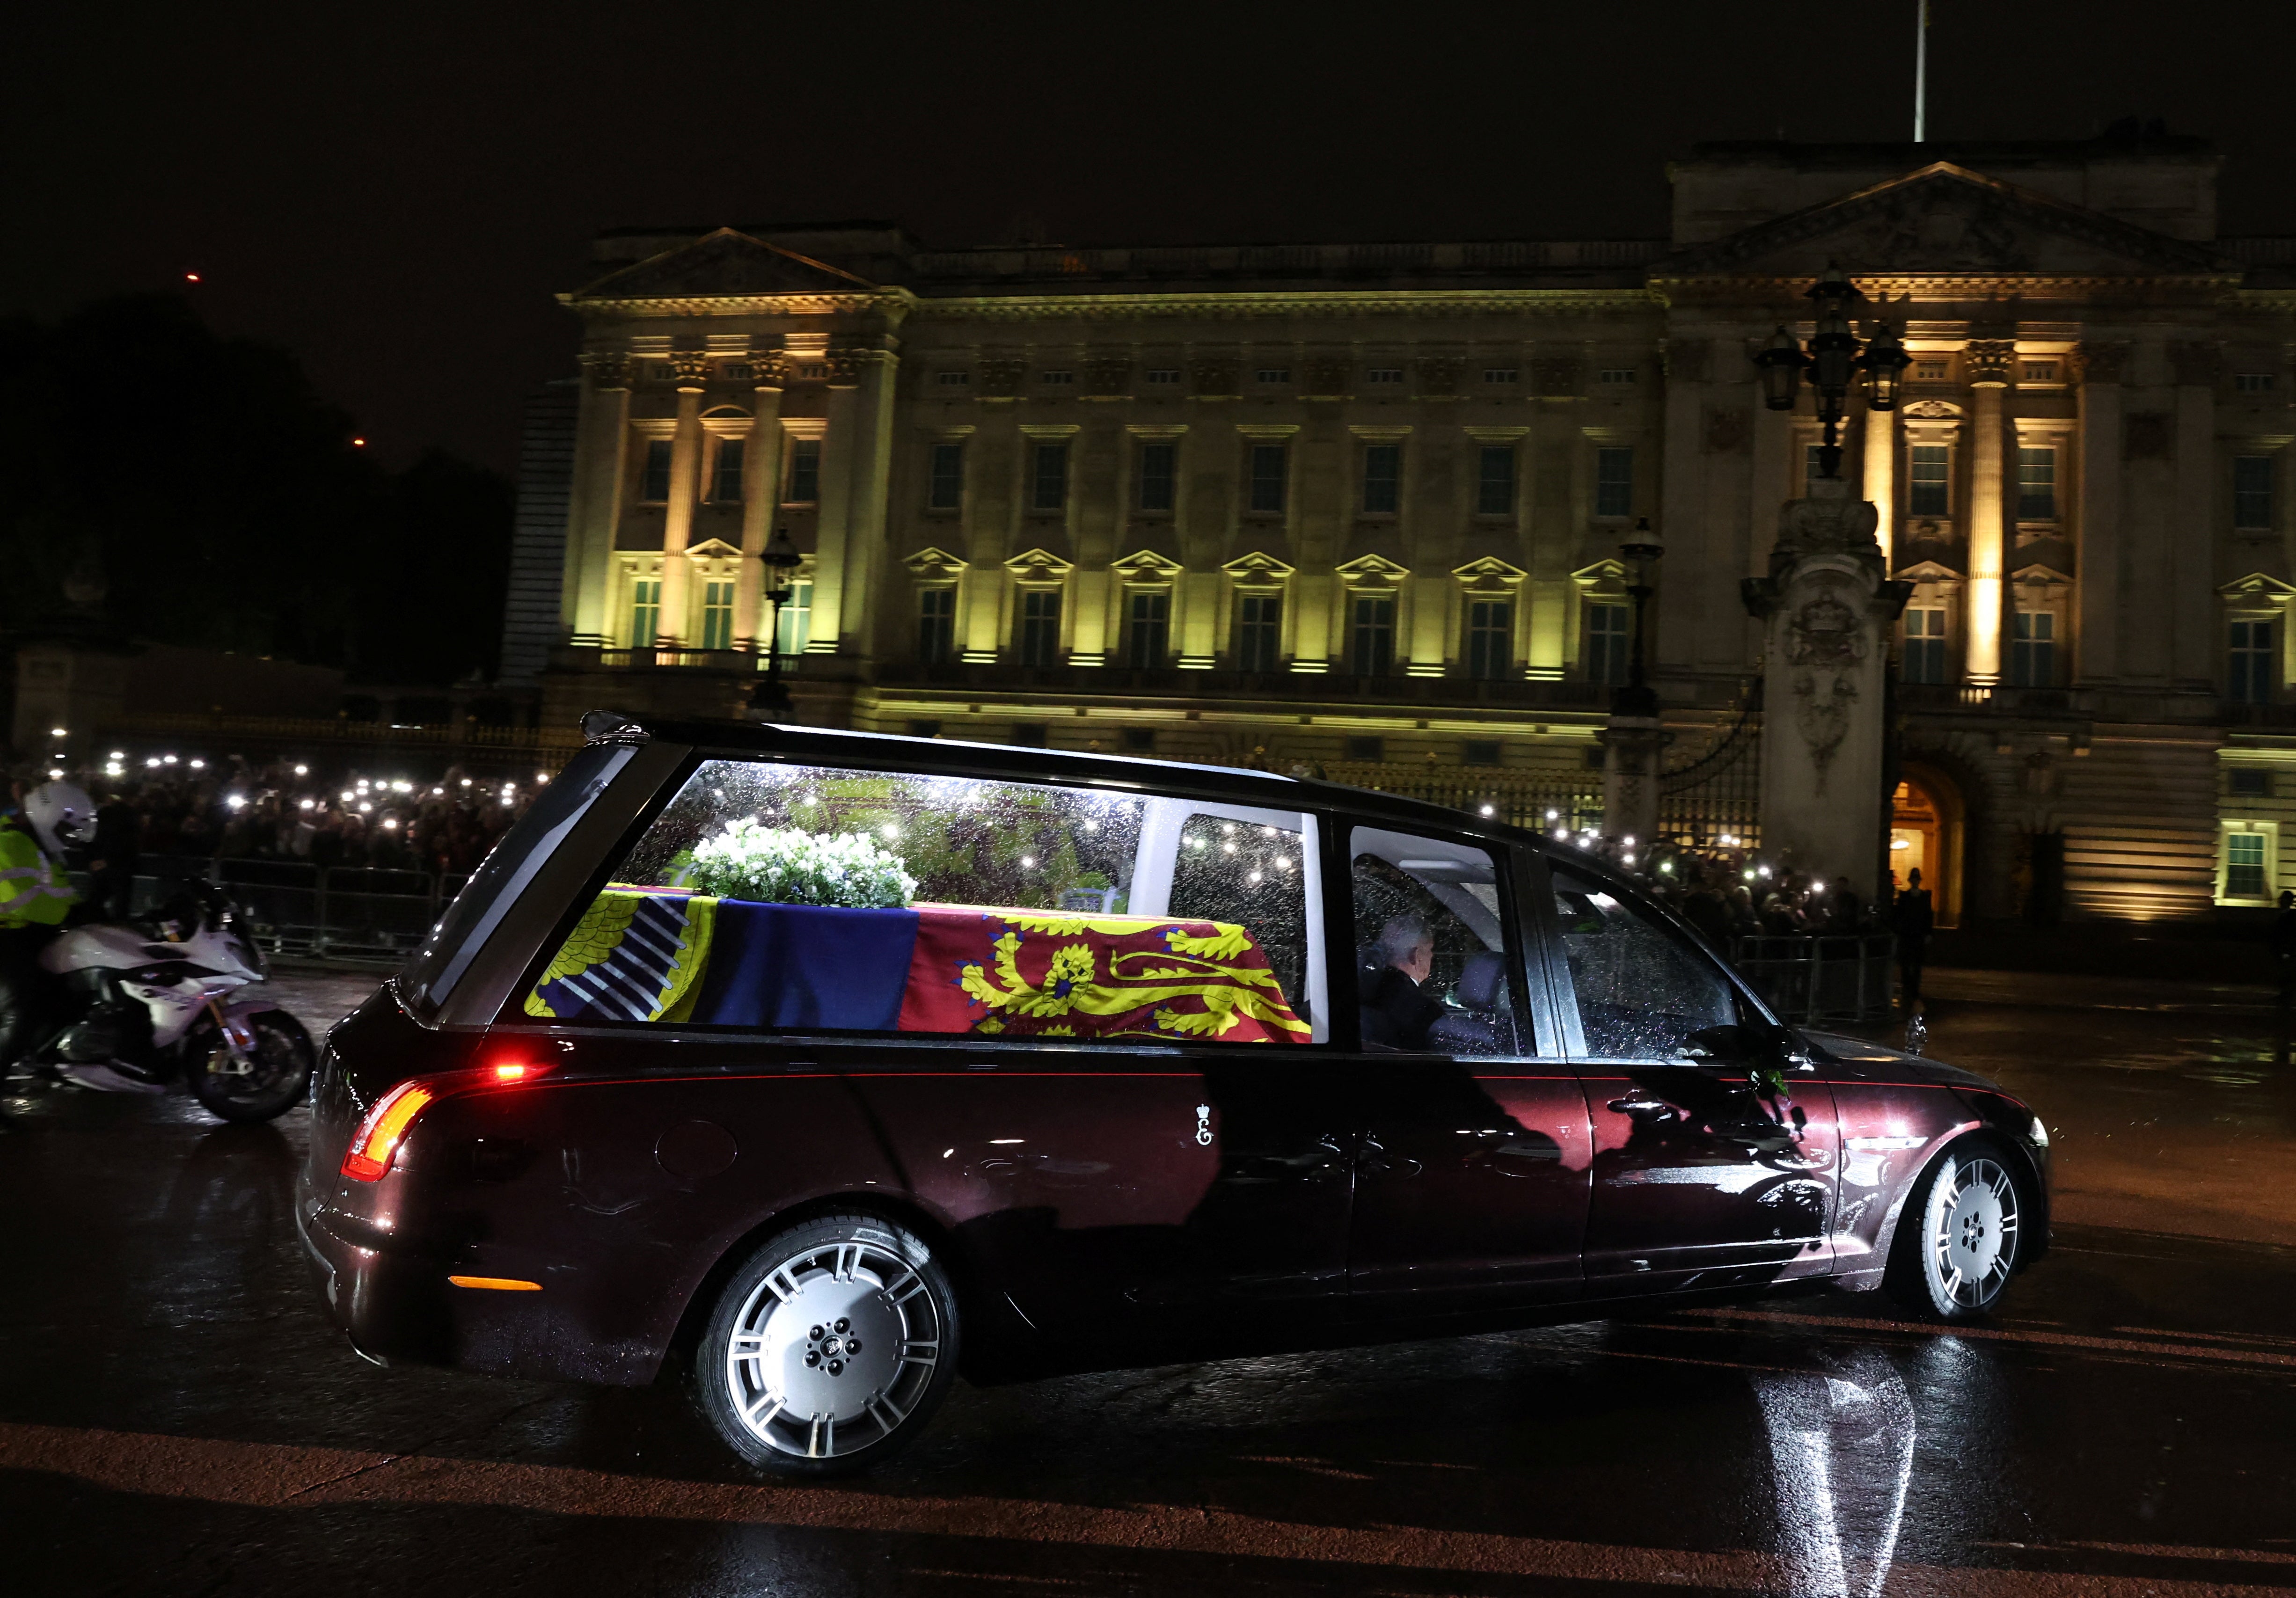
<point x="787" y="867"/>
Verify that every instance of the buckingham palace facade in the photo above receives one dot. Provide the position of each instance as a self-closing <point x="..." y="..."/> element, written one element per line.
<point x="1361" y="505"/>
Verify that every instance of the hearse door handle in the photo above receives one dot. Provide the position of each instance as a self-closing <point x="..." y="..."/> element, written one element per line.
<point x="1639" y="1106"/>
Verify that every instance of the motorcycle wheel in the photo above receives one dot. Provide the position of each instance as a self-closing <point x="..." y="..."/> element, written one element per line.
<point x="277" y="1074"/>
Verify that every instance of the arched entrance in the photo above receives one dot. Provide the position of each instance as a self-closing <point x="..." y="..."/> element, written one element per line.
<point x="1925" y="832"/>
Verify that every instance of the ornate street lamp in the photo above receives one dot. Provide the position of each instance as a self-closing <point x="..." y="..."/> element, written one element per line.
<point x="770" y="697"/>
<point x="1833" y="362"/>
<point x="1643" y="548"/>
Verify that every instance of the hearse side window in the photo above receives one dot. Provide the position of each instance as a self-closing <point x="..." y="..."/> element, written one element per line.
<point x="788" y="898"/>
<point x="1641" y="989"/>
<point x="1432" y="964"/>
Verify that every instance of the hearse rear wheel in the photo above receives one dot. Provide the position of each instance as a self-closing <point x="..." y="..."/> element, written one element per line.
<point x="830" y="1348"/>
<point x="1958" y="1238"/>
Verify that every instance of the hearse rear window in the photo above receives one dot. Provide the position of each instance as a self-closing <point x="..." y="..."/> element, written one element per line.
<point x="788" y="898"/>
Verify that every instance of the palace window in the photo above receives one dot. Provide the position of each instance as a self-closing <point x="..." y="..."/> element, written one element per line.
<point x="1614" y="480"/>
<point x="1926" y="486"/>
<point x="2037" y="483"/>
<point x="1495" y="481"/>
<point x="726" y="481"/>
<point x="1159" y="474"/>
<point x="1384" y="374"/>
<point x="1371" y="644"/>
<point x="1615" y="376"/>
<point x="1056" y="379"/>
<point x="1273" y="374"/>
<point x="2245" y="863"/>
<point x="1924" y="657"/>
<point x="654" y="481"/>
<point x="1490" y="638"/>
<point x="1932" y="371"/>
<point x="1258" y="631"/>
<point x="1606" y="644"/>
<point x="1267" y="462"/>
<point x="794" y="628"/>
<point x="2040" y="372"/>
<point x="1163" y="374"/>
<point x="1148" y="629"/>
<point x="1382" y="479"/>
<point x="2248" y="681"/>
<point x="1501" y="374"/>
<point x="2033" y="651"/>
<point x="936" y="626"/>
<point x="2248" y="783"/>
<point x="718" y="615"/>
<point x="2252" y="382"/>
<point x="1048" y="485"/>
<point x="2252" y="493"/>
<point x="646" y="611"/>
<point x="947" y="490"/>
<point x="1040" y="626"/>
<point x="953" y="379"/>
<point x="804" y="472"/>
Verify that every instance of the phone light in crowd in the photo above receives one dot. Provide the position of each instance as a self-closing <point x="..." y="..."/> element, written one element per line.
<point x="153" y="763"/>
<point x="359" y="443"/>
<point x="118" y="754"/>
<point x="390" y="823"/>
<point x="348" y="795"/>
<point x="1562" y="834"/>
<point x="364" y="808"/>
<point x="55" y="771"/>
<point x="438" y="790"/>
<point x="1665" y="865"/>
<point x="167" y="759"/>
<point x="466" y="782"/>
<point x="1490" y="809"/>
<point x="58" y="733"/>
<point x="1630" y="859"/>
<point x="1554" y="814"/>
<point x="191" y="277"/>
<point x="310" y="804"/>
<point x="541" y="776"/>
<point x="1628" y="842"/>
<point x="1766" y="871"/>
<point x="1749" y="876"/>
<point x="302" y="771"/>
<point x="237" y="801"/>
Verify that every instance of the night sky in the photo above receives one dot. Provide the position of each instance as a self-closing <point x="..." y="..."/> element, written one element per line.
<point x="395" y="191"/>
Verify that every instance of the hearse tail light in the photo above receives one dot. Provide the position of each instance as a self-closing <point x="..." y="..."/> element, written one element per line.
<point x="380" y="1134"/>
<point x="376" y="1141"/>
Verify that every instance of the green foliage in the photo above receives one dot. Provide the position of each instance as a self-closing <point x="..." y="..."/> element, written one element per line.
<point x="778" y="865"/>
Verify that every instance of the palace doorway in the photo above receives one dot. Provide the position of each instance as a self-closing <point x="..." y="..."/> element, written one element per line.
<point x="1926" y="834"/>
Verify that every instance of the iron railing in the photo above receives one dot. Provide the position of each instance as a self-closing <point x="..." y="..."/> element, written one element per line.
<point x="293" y="907"/>
<point x="1839" y="978"/>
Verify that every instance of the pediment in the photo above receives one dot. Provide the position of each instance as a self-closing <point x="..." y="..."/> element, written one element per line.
<point x="1258" y="567"/>
<point x="933" y="563"/>
<point x="2039" y="576"/>
<point x="1038" y="566"/>
<point x="1942" y="218"/>
<point x="1146" y="566"/>
<point x="2259" y="587"/>
<point x="723" y="265"/>
<point x="1609" y="576"/>
<point x="712" y="549"/>
<point x="1490" y="573"/>
<point x="1928" y="571"/>
<point x="1373" y="571"/>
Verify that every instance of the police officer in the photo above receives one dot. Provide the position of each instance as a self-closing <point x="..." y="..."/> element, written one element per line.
<point x="35" y="895"/>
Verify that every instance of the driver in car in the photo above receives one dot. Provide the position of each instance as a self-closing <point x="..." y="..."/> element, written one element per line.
<point x="1395" y="1009"/>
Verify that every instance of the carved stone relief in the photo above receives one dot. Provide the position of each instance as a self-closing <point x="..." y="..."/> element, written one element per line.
<point x="1727" y="430"/>
<point x="692" y="368"/>
<point x="609" y="371"/>
<point x="1001" y="378"/>
<point x="1439" y="374"/>
<point x="1212" y="378"/>
<point x="1825" y="641"/>
<point x="1991" y="360"/>
<point x="1556" y="377"/>
<point x="1108" y="374"/>
<point x="2104" y="361"/>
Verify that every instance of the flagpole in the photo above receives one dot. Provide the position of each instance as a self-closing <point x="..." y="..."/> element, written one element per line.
<point x="1922" y="76"/>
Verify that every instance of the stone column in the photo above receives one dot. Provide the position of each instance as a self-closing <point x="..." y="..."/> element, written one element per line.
<point x="2193" y="604"/>
<point x="684" y="491"/>
<point x="1881" y="429"/>
<point x="1633" y="749"/>
<point x="1989" y="364"/>
<point x="2097" y="565"/>
<point x="761" y="493"/>
<point x="1827" y="605"/>
<point x="601" y="451"/>
<point x="855" y="458"/>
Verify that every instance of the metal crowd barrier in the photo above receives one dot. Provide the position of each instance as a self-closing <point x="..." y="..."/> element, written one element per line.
<point x="1845" y="977"/>
<point x="296" y="908"/>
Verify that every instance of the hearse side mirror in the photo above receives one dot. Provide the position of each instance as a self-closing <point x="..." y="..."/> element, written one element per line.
<point x="1726" y="1044"/>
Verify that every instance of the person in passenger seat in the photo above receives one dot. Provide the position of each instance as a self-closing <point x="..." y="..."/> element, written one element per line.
<point x="1397" y="1011"/>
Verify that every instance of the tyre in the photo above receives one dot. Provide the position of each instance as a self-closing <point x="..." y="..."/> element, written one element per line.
<point x="830" y="1348"/>
<point x="259" y="1084"/>
<point x="1959" y="1237"/>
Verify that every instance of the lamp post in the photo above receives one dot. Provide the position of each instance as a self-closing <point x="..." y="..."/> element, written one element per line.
<point x="1643" y="548"/>
<point x="1835" y="359"/>
<point x="770" y="697"/>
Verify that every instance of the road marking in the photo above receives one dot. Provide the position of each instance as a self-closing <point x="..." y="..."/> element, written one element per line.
<point x="269" y="1475"/>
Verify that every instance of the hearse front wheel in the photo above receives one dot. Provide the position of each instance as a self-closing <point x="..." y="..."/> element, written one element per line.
<point x="831" y="1348"/>
<point x="1959" y="1237"/>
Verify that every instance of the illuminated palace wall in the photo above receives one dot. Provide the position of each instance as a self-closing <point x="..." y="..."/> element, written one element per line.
<point x="1360" y="503"/>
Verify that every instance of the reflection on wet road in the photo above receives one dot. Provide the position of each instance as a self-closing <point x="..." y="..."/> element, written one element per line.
<point x="176" y="1417"/>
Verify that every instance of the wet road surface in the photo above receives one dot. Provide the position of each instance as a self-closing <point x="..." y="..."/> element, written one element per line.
<point x="176" y="1416"/>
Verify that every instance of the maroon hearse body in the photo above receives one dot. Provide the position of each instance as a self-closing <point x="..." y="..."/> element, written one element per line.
<point x="572" y="1197"/>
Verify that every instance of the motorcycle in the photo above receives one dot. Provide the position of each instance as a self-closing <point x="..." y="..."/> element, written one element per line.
<point x="145" y="1012"/>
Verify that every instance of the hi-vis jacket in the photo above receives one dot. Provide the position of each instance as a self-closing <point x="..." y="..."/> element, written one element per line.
<point x="33" y="891"/>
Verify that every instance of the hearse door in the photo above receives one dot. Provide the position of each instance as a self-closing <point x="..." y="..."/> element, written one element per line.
<point x="1701" y="1179"/>
<point x="1471" y="1189"/>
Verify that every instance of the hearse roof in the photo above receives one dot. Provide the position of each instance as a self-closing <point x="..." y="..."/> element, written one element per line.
<point x="1235" y="783"/>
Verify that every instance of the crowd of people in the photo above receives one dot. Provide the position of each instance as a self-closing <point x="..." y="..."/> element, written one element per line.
<point x="287" y="811"/>
<point x="1729" y="891"/>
